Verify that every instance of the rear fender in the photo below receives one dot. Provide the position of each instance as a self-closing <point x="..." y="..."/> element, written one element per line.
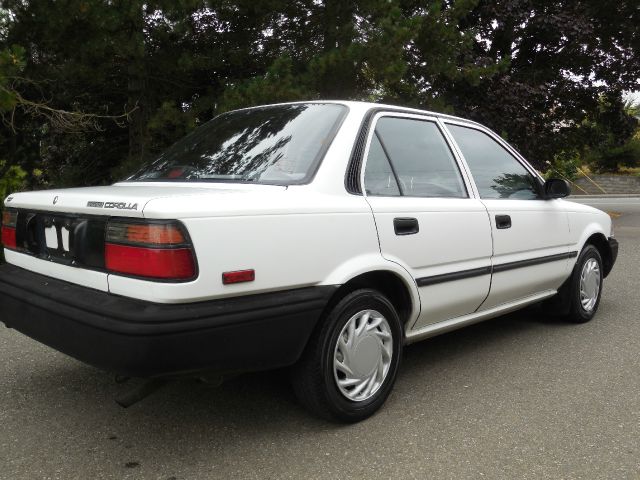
<point x="372" y="262"/>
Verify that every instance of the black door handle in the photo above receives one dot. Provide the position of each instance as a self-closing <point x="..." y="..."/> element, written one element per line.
<point x="503" y="221"/>
<point x="406" y="226"/>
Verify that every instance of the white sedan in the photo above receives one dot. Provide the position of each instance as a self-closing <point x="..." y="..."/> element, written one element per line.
<point x="322" y="236"/>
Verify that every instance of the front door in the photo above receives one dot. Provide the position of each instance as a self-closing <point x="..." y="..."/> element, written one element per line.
<point x="426" y="219"/>
<point x="530" y="235"/>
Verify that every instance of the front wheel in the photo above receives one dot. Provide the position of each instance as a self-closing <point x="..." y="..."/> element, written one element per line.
<point x="585" y="286"/>
<point x="350" y="364"/>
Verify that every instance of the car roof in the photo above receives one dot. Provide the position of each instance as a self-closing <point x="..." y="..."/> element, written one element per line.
<point x="365" y="106"/>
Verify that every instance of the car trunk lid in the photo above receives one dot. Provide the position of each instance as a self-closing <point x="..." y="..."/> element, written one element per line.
<point x="67" y="227"/>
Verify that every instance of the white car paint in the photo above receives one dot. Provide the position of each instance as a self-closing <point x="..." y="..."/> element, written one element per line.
<point x="319" y="234"/>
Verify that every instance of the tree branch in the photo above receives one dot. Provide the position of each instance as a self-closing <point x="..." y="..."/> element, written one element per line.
<point x="65" y="120"/>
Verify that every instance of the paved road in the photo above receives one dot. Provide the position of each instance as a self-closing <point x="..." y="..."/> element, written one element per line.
<point x="628" y="205"/>
<point x="518" y="397"/>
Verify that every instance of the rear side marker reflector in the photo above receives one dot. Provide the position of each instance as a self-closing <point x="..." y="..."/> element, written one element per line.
<point x="169" y="264"/>
<point x="238" y="276"/>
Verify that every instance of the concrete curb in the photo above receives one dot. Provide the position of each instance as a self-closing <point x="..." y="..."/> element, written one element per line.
<point x="610" y="195"/>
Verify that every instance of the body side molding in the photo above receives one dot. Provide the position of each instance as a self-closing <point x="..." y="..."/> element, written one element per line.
<point x="450" y="277"/>
<point x="503" y="267"/>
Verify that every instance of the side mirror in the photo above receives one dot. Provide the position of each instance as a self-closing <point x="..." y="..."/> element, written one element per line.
<point x="556" y="188"/>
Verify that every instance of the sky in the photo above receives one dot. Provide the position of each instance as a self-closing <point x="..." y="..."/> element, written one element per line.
<point x="633" y="95"/>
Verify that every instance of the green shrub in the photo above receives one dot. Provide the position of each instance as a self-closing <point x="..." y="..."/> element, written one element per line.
<point x="609" y="160"/>
<point x="565" y="164"/>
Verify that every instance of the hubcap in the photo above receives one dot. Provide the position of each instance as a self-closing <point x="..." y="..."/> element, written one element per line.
<point x="362" y="356"/>
<point x="589" y="284"/>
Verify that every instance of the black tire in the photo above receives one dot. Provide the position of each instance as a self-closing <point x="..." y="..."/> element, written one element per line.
<point x="574" y="311"/>
<point x="313" y="376"/>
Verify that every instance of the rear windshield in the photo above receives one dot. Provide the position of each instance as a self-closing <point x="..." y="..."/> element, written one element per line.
<point x="280" y="145"/>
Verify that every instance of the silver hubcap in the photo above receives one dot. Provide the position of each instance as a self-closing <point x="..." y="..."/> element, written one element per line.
<point x="589" y="284"/>
<point x="362" y="356"/>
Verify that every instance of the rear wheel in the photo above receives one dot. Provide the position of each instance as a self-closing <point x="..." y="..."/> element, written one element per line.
<point x="584" y="288"/>
<point x="351" y="362"/>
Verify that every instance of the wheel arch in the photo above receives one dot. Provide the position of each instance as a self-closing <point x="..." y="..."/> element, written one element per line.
<point x="390" y="284"/>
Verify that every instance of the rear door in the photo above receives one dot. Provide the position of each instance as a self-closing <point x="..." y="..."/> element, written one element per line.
<point x="426" y="219"/>
<point x="530" y="234"/>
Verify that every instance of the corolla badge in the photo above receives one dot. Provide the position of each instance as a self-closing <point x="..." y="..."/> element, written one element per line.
<point x="116" y="205"/>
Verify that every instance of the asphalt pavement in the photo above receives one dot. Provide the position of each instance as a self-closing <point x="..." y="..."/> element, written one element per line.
<point x="522" y="396"/>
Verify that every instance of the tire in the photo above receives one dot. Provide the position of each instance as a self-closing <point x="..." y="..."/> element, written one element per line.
<point x="323" y="364"/>
<point x="575" y="309"/>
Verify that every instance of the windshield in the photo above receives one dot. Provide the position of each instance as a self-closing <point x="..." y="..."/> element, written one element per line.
<point x="280" y="145"/>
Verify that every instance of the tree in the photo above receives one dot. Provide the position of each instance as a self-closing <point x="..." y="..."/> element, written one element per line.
<point x="532" y="70"/>
<point x="560" y="57"/>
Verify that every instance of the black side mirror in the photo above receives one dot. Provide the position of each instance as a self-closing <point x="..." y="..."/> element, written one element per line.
<point x="556" y="188"/>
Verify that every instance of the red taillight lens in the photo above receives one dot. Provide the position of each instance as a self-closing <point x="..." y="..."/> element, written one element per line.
<point x="164" y="263"/>
<point x="8" y="235"/>
<point x="150" y="250"/>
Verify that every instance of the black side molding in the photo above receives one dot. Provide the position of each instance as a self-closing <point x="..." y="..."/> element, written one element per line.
<point x="477" y="272"/>
<point x="450" y="277"/>
<point x="533" y="261"/>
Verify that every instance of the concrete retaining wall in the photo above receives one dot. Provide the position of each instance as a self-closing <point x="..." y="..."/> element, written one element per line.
<point x="613" y="184"/>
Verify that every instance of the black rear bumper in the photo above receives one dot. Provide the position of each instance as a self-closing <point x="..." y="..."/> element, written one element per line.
<point x="141" y="339"/>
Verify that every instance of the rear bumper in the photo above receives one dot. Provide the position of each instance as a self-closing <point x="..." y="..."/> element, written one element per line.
<point x="141" y="339"/>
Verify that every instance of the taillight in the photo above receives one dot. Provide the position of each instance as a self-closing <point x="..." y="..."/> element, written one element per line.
<point x="150" y="250"/>
<point x="9" y="221"/>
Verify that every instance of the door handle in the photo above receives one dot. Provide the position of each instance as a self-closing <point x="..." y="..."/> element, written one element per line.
<point x="406" y="226"/>
<point x="503" y="221"/>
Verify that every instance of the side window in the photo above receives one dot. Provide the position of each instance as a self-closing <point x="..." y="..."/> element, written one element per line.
<point x="497" y="173"/>
<point x="379" y="179"/>
<point x="417" y="158"/>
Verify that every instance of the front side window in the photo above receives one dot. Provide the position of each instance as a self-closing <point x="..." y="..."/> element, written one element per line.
<point x="497" y="173"/>
<point x="411" y="158"/>
<point x="281" y="144"/>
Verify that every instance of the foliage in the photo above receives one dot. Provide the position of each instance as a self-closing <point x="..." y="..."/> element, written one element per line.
<point x="610" y="159"/>
<point x="560" y="57"/>
<point x="533" y="70"/>
<point x="565" y="164"/>
<point x="12" y="179"/>
<point x="611" y="138"/>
